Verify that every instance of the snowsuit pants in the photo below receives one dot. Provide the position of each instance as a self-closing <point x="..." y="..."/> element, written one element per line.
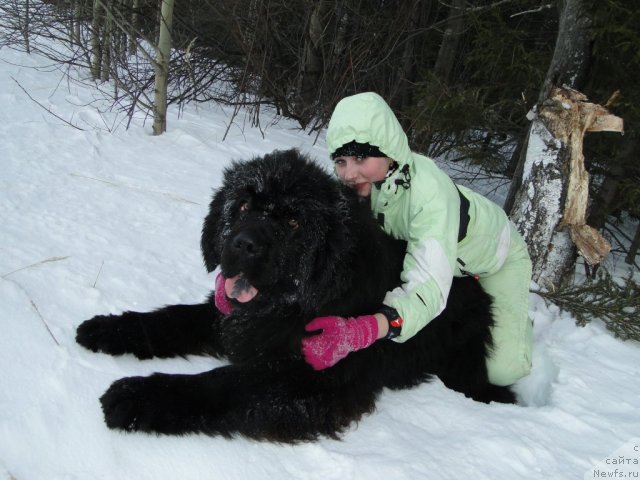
<point x="513" y="330"/>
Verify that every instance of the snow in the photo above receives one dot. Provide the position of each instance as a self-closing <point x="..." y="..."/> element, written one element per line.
<point x="105" y="219"/>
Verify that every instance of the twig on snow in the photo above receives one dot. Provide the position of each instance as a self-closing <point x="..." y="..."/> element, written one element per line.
<point x="98" y="276"/>
<point x="35" y="307"/>
<point x="48" y="260"/>
<point x="44" y="322"/>
<point x="45" y="108"/>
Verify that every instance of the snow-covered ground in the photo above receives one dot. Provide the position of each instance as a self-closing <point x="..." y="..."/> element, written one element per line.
<point x="94" y="222"/>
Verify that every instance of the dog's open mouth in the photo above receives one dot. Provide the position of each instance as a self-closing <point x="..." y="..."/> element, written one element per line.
<point x="239" y="289"/>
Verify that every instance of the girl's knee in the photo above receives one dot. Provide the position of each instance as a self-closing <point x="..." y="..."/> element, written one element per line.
<point x="504" y="374"/>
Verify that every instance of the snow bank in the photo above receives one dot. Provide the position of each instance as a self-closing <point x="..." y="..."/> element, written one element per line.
<point x="118" y="217"/>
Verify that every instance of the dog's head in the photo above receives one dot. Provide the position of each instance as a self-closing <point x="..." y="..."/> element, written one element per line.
<point x="277" y="228"/>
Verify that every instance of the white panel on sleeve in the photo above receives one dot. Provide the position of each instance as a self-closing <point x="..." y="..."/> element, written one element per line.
<point x="430" y="262"/>
<point x="504" y="244"/>
<point x="427" y="262"/>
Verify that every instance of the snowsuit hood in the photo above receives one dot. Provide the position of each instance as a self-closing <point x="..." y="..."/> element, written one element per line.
<point x="366" y="118"/>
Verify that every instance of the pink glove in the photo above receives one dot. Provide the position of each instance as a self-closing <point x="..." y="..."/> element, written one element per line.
<point x="339" y="337"/>
<point x="220" y="299"/>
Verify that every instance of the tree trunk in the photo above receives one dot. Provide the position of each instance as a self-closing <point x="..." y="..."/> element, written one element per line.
<point x="633" y="249"/>
<point x="96" y="27"/>
<point x="607" y="199"/>
<point x="312" y="64"/>
<point x="538" y="205"/>
<point x="605" y="202"/>
<point x="402" y="90"/>
<point x="551" y="207"/>
<point x="539" y="187"/>
<point x="133" y="40"/>
<point x="77" y="21"/>
<point x="568" y="67"/>
<point x="163" y="51"/>
<point x="449" y="47"/>
<point x="107" y="47"/>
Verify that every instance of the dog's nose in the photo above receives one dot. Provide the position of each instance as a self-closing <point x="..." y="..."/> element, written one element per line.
<point x="244" y="243"/>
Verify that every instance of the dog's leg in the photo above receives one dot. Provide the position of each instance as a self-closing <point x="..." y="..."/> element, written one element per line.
<point x="262" y="404"/>
<point x="166" y="332"/>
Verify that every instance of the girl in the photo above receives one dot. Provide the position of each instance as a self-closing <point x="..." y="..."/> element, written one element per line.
<point x="450" y="230"/>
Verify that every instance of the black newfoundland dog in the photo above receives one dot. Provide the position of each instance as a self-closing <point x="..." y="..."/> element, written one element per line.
<point x="294" y="244"/>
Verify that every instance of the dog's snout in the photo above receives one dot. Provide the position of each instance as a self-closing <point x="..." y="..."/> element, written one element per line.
<point x="246" y="244"/>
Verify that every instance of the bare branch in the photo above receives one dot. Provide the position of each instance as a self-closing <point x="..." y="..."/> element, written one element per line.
<point x="535" y="10"/>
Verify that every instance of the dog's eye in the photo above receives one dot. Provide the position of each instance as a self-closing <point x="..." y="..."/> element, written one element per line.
<point x="293" y="223"/>
<point x="244" y="206"/>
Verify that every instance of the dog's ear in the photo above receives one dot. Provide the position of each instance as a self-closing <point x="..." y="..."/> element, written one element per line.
<point x="212" y="232"/>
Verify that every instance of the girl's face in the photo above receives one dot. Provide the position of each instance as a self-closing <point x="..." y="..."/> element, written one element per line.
<point x="361" y="172"/>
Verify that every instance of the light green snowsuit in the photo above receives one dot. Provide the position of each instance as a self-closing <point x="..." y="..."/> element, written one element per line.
<point x="423" y="208"/>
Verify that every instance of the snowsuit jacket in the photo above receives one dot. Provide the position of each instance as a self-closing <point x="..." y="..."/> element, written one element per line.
<point x="419" y="203"/>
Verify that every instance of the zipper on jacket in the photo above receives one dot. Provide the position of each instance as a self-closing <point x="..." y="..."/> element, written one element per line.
<point x="475" y="276"/>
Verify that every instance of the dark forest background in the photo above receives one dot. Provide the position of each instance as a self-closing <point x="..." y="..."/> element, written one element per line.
<point x="461" y="75"/>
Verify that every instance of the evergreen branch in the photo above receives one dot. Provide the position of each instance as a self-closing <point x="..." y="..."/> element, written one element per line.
<point x="616" y="304"/>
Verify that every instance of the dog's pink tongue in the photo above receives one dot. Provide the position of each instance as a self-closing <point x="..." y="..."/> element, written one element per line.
<point x="239" y="288"/>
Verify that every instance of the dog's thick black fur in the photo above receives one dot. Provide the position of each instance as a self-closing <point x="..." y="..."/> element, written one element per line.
<point x="310" y="247"/>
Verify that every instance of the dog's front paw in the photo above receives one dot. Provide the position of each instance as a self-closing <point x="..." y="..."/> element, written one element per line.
<point x="113" y="334"/>
<point x="100" y="334"/>
<point x="126" y="404"/>
<point x="146" y="404"/>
